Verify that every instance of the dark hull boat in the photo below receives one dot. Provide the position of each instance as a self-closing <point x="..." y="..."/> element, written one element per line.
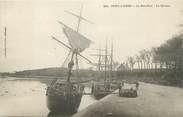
<point x="64" y="99"/>
<point x="100" y="95"/>
<point x="100" y="90"/>
<point x="59" y="104"/>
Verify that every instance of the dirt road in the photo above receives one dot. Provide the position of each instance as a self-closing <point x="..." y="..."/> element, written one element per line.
<point x="153" y="101"/>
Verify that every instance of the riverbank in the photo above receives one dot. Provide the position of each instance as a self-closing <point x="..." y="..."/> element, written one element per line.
<point x="152" y="101"/>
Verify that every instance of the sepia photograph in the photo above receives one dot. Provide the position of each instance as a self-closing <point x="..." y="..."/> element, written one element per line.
<point x="91" y="58"/>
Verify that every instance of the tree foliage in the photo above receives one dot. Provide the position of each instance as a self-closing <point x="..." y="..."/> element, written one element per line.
<point x="170" y="52"/>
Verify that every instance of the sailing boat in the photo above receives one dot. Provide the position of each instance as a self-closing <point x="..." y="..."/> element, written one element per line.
<point x="65" y="96"/>
<point x="101" y="89"/>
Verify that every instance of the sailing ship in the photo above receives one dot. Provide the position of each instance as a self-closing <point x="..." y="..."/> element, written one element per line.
<point x="101" y="89"/>
<point x="65" y="96"/>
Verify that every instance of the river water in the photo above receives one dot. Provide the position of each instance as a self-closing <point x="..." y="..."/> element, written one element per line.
<point x="27" y="98"/>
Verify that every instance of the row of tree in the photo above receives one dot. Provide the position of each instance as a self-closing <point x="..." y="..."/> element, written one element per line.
<point x="167" y="56"/>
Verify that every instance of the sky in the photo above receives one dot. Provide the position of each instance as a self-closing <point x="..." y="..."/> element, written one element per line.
<point x="30" y="25"/>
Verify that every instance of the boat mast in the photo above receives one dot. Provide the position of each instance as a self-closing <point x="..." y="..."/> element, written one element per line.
<point x="76" y="51"/>
<point x="70" y="66"/>
<point x="71" y="63"/>
<point x="79" y="21"/>
<point x="99" y="61"/>
<point x="5" y="50"/>
<point x="111" y="64"/>
<point x="105" y="78"/>
<point x="77" y="30"/>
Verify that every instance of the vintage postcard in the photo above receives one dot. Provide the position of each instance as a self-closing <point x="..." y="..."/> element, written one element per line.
<point x="91" y="58"/>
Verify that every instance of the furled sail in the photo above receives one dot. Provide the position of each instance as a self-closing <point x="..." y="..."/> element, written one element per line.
<point x="76" y="40"/>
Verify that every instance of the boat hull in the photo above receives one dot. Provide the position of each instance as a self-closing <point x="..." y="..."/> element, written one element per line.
<point x="100" y="90"/>
<point x="99" y="95"/>
<point x="67" y="104"/>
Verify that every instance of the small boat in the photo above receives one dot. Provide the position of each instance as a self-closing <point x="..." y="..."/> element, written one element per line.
<point x="100" y="88"/>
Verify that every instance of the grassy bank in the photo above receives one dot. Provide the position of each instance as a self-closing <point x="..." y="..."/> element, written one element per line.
<point x="162" y="77"/>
